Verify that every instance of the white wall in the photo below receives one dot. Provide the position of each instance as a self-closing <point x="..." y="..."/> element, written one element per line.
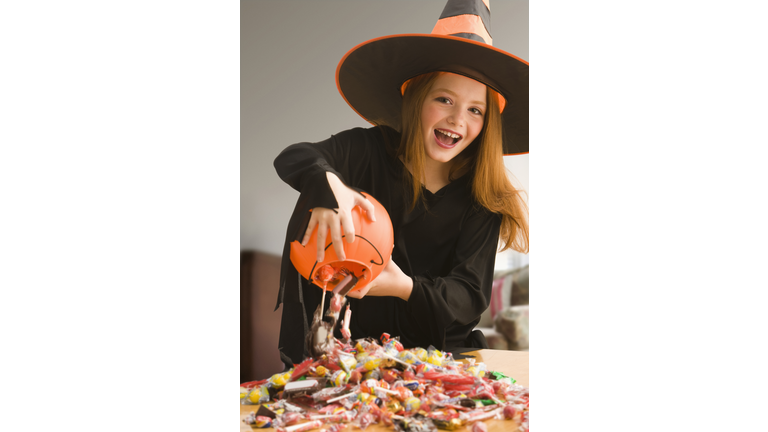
<point x="289" y="52"/>
<point x="518" y="169"/>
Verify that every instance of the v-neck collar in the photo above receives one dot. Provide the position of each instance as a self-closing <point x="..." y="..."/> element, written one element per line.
<point x="459" y="182"/>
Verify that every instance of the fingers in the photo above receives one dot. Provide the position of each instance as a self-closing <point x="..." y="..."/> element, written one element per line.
<point x="349" y="227"/>
<point x="338" y="222"/>
<point x="310" y="228"/>
<point x="327" y="223"/>
<point x="338" y="243"/>
<point x="322" y="232"/>
<point x="366" y="205"/>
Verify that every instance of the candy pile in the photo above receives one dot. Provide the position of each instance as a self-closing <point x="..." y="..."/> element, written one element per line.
<point x="411" y="390"/>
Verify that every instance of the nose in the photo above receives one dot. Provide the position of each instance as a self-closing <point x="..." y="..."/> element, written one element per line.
<point x="456" y="117"/>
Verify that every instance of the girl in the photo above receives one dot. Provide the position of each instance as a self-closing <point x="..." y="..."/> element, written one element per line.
<point x="447" y="106"/>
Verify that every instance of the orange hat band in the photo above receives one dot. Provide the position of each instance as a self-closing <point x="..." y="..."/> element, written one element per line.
<point x="470" y="19"/>
<point x="464" y="25"/>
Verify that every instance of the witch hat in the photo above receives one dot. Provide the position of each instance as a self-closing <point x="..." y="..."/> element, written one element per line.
<point x="370" y="76"/>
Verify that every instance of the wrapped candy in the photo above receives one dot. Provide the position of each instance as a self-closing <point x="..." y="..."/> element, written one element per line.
<point x="365" y="397"/>
<point x="288" y="419"/>
<point x="251" y="384"/>
<point x="361" y="383"/>
<point x="448" y="378"/>
<point x="417" y="423"/>
<point x="339" y="378"/>
<point x="257" y="421"/>
<point x="342" y="416"/>
<point x="420" y="353"/>
<point x="394" y="406"/>
<point x="389" y="375"/>
<point x="325" y="273"/>
<point x="444" y="414"/>
<point x="348" y="362"/>
<point x="372" y="363"/>
<point x="355" y="376"/>
<point x="509" y="412"/>
<point x="412" y="404"/>
<point x="476" y="371"/>
<point x="259" y="395"/>
<point x="365" y="420"/>
<point x="408" y="357"/>
<point x="328" y="394"/>
<point x="381" y="415"/>
<point x="424" y="367"/>
<point x="368" y="385"/>
<point x="303" y="387"/>
<point x="403" y="393"/>
<point x="449" y="424"/>
<point x="302" y="369"/>
<point x="477" y="415"/>
<point x="314" y="424"/>
<point x="330" y="409"/>
<point x="482" y="390"/>
<point x="393" y="343"/>
<point x="361" y="346"/>
<point x="524" y="421"/>
<point x="345" y="324"/>
<point x="435" y="357"/>
<point x="279" y="380"/>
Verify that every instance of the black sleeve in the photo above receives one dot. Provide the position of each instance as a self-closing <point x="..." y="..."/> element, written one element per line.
<point x="461" y="296"/>
<point x="303" y="165"/>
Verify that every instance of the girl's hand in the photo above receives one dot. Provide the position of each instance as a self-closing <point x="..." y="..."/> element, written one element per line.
<point x="337" y="220"/>
<point x="390" y="282"/>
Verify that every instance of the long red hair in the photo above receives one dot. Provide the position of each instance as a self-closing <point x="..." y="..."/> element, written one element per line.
<point x="483" y="158"/>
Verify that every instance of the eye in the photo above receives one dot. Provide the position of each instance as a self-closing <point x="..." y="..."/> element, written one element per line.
<point x="476" y="111"/>
<point x="443" y="99"/>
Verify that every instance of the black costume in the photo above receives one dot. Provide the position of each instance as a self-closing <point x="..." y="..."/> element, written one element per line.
<point x="448" y="246"/>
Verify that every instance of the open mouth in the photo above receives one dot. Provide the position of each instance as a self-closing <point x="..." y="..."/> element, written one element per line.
<point x="446" y="138"/>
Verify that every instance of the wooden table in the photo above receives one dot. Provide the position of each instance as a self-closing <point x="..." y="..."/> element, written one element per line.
<point x="512" y="363"/>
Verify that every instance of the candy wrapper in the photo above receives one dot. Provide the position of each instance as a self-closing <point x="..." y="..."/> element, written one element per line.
<point x="257" y="421"/>
<point x="417" y="423"/>
<point x="257" y="395"/>
<point x="303" y="427"/>
<point x="305" y="387"/>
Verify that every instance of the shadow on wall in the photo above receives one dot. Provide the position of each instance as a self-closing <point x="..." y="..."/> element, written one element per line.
<point x="259" y="322"/>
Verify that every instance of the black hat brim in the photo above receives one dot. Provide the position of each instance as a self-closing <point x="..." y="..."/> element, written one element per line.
<point x="370" y="76"/>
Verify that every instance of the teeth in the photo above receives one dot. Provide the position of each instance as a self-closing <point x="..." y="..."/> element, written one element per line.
<point x="452" y="135"/>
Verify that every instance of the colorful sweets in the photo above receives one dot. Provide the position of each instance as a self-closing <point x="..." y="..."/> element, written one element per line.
<point x="361" y="383"/>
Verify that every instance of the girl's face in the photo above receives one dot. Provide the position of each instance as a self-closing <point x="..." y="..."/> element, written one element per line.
<point x="452" y="115"/>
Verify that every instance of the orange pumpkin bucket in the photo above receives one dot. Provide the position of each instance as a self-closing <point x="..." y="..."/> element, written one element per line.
<point x="366" y="256"/>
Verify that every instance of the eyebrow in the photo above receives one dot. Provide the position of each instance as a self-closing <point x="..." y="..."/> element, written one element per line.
<point x="454" y="94"/>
